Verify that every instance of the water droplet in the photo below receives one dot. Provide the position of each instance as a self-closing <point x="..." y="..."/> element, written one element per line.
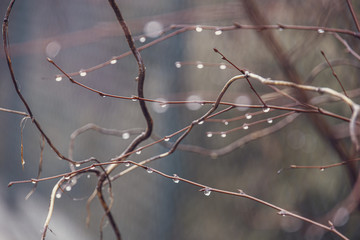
<point x="247" y="74"/>
<point x="33" y="181"/>
<point x="218" y="32"/>
<point x="223" y="134"/>
<point x="125" y="135"/>
<point x="92" y="168"/>
<point x="266" y="109"/>
<point x="176" y="179"/>
<point x="269" y="120"/>
<point x="222" y="66"/>
<point x="198" y="29"/>
<point x="321" y="30"/>
<point x="138" y="152"/>
<point x="82" y="73"/>
<point x="192" y="102"/>
<point x="88" y="176"/>
<point x="160" y="105"/>
<point x="248" y="116"/>
<point x="153" y="29"/>
<point x="68" y="188"/>
<point x="201" y="122"/>
<point x="245" y="126"/>
<point x="52" y="49"/>
<point x="209" y="134"/>
<point x="77" y="165"/>
<point x="226" y="122"/>
<point x="58" y="78"/>
<point x="58" y="195"/>
<point x="127" y="164"/>
<point x="200" y="65"/>
<point x="322" y="169"/>
<point x="177" y="64"/>
<point x="67" y="177"/>
<point x="113" y="61"/>
<point x="281" y="29"/>
<point x="73" y="181"/>
<point x="134" y="98"/>
<point x="149" y="170"/>
<point x="243" y="100"/>
<point x="142" y="39"/>
<point x="207" y="192"/>
<point x="214" y="155"/>
<point x="282" y="213"/>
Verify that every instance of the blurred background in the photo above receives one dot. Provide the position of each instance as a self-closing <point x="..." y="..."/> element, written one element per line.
<point x="81" y="34"/>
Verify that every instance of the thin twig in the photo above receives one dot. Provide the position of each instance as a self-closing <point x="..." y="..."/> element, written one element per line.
<point x="353" y="14"/>
<point x="42" y="145"/>
<point x="243" y="72"/>
<point x="348" y="48"/>
<point x="334" y="73"/>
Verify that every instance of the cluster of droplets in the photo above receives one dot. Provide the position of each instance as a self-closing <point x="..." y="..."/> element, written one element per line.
<point x="200" y="65"/>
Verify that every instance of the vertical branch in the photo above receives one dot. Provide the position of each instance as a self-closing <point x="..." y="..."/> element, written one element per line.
<point x="144" y="109"/>
<point x="140" y="78"/>
<point x="107" y="212"/>
<point x="5" y="27"/>
<point x="140" y="88"/>
<point x="51" y="206"/>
